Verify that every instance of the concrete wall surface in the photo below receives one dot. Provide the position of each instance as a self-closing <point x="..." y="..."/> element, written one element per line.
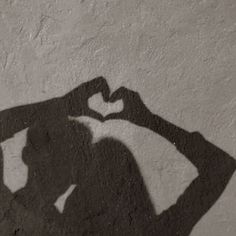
<point x="179" y="55"/>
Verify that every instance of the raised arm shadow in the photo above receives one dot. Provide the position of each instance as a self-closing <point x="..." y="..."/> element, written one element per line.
<point x="113" y="175"/>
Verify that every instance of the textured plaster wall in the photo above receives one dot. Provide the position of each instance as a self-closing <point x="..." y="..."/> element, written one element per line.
<point x="180" y="55"/>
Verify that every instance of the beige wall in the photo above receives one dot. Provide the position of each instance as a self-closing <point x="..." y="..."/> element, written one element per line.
<point x="180" y="55"/>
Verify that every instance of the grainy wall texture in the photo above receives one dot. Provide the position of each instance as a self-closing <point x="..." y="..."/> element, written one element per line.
<point x="179" y="55"/>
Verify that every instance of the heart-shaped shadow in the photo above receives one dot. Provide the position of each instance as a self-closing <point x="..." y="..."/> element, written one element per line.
<point x="97" y="104"/>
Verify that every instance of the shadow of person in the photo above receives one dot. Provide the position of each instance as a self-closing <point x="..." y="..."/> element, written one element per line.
<point x="110" y="196"/>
